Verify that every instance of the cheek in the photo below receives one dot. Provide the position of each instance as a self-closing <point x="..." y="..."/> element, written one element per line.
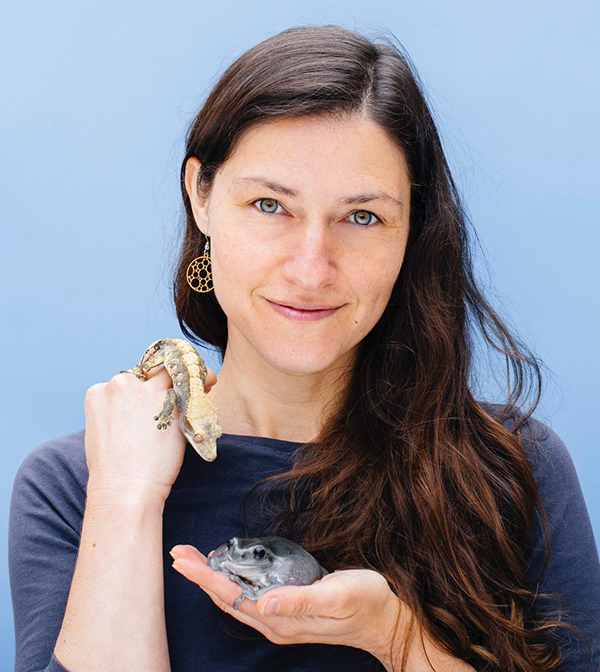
<point x="373" y="280"/>
<point x="239" y="265"/>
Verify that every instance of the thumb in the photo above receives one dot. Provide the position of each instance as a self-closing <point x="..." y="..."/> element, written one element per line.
<point x="319" y="599"/>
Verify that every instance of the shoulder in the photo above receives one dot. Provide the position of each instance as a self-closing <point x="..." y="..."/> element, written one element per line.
<point x="551" y="461"/>
<point x="54" y="471"/>
<point x="62" y="454"/>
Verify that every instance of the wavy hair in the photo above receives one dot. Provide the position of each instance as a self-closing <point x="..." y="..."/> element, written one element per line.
<point x="410" y="475"/>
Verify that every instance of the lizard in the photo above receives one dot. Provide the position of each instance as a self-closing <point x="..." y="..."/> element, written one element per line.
<point x="197" y="414"/>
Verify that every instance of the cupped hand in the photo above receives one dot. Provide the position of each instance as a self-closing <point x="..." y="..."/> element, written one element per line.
<point x="125" y="451"/>
<point x="353" y="607"/>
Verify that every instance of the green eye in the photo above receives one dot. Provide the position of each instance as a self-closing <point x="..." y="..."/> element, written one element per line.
<point x="363" y="217"/>
<point x="270" y="205"/>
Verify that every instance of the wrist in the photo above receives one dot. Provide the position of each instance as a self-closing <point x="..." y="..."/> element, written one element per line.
<point x="420" y="656"/>
<point x="125" y="492"/>
<point x="383" y="631"/>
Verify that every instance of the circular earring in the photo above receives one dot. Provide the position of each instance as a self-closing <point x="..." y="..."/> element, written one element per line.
<point x="198" y="274"/>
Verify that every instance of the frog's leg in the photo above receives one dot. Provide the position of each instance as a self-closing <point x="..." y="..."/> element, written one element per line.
<point x="261" y="591"/>
<point x="164" y="417"/>
<point x="247" y="590"/>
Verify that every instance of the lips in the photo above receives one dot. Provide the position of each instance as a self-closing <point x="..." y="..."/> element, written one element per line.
<point x="298" y="305"/>
<point x="301" y="307"/>
<point x="303" y="312"/>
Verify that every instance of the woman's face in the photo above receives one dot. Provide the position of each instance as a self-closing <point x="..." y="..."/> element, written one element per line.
<point x="307" y="213"/>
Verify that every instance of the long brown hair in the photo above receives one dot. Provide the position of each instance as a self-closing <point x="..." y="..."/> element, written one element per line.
<point x="410" y="476"/>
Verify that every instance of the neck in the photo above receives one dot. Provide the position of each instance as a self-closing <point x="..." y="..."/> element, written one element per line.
<point x="255" y="399"/>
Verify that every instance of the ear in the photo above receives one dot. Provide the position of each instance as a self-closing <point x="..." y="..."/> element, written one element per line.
<point x="199" y="204"/>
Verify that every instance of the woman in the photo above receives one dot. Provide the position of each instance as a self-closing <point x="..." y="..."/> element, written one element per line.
<point x="458" y="529"/>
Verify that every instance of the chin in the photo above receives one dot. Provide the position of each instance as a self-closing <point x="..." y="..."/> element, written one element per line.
<point x="302" y="361"/>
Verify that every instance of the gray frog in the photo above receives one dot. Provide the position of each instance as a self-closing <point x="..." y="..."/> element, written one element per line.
<point x="259" y="565"/>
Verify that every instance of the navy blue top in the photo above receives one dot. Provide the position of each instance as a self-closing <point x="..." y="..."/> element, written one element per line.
<point x="203" y="509"/>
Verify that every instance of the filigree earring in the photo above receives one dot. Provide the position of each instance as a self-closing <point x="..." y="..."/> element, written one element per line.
<point x="198" y="275"/>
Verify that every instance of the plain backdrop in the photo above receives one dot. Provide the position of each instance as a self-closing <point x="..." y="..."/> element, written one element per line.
<point x="96" y="98"/>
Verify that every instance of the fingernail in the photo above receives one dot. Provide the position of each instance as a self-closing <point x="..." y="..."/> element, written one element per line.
<point x="179" y="568"/>
<point x="270" y="607"/>
<point x="174" y="554"/>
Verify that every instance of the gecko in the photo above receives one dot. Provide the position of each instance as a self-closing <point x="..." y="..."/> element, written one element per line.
<point x="197" y="414"/>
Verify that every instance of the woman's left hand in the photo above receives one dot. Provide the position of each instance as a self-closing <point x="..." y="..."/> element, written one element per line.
<point x="353" y="607"/>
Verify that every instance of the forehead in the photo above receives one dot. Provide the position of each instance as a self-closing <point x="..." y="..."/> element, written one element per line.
<point x="351" y="152"/>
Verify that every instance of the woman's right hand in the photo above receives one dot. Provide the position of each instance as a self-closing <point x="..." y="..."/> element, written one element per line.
<point x="125" y="451"/>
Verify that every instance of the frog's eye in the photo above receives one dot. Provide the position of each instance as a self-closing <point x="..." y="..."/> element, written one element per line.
<point x="229" y="544"/>
<point x="259" y="553"/>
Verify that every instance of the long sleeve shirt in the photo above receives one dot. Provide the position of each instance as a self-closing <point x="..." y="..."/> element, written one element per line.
<point x="203" y="509"/>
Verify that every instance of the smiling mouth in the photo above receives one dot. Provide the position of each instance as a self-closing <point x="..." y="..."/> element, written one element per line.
<point x="304" y="313"/>
<point x="304" y="307"/>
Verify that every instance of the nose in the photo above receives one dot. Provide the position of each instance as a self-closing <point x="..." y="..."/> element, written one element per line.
<point x="311" y="262"/>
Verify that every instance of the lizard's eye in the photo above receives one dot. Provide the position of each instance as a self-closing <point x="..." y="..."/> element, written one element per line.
<point x="259" y="553"/>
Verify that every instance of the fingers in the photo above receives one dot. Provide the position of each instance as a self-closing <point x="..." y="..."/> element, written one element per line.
<point x="331" y="596"/>
<point x="187" y="552"/>
<point x="211" y="379"/>
<point x="159" y="371"/>
<point x="316" y="613"/>
<point x="218" y="586"/>
<point x="193" y="565"/>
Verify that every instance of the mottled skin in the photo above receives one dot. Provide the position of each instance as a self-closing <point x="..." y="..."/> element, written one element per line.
<point x="259" y="565"/>
<point x="197" y="415"/>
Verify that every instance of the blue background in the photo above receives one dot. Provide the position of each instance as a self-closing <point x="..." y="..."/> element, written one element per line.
<point x="96" y="101"/>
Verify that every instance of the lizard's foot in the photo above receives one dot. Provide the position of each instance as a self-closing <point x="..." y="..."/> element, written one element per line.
<point x="164" y="419"/>
<point x="137" y="370"/>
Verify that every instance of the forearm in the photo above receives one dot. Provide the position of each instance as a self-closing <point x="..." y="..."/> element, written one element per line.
<point x="114" y="617"/>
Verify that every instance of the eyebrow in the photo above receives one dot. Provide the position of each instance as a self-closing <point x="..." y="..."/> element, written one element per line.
<point x="362" y="197"/>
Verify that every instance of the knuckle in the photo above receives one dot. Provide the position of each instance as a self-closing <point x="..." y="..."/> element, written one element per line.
<point x="94" y="391"/>
<point x="301" y="607"/>
<point x="118" y="383"/>
<point x="91" y="390"/>
<point x="119" y="379"/>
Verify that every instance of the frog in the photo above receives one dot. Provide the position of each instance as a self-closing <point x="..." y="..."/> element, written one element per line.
<point x="262" y="564"/>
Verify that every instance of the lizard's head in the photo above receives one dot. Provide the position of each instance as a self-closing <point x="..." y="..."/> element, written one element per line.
<point x="153" y="349"/>
<point x="203" y="436"/>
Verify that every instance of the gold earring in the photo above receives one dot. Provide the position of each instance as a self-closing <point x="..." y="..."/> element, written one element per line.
<point x="198" y="274"/>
